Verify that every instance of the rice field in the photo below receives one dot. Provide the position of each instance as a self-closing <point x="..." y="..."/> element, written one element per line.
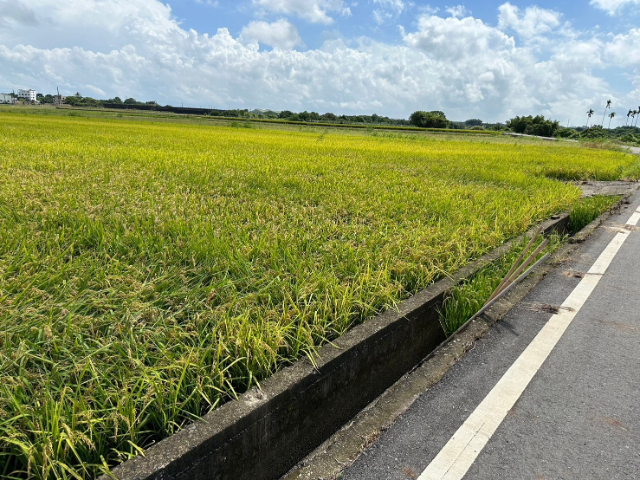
<point x="150" y="272"/>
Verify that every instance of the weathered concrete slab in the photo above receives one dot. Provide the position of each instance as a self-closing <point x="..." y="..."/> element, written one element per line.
<point x="591" y="188"/>
<point x="634" y="150"/>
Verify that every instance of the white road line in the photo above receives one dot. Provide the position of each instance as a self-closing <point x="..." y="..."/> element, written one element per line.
<point x="457" y="456"/>
<point x="635" y="218"/>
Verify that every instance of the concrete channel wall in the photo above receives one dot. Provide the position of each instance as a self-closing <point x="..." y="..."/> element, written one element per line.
<point x="267" y="431"/>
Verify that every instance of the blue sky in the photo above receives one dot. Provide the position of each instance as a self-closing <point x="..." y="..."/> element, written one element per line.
<point x="490" y="59"/>
<point x="209" y="16"/>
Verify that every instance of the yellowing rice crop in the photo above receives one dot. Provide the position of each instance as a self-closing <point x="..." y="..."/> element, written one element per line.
<point x="150" y="272"/>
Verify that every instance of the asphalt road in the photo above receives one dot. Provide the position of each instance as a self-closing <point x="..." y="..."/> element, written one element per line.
<point x="578" y="418"/>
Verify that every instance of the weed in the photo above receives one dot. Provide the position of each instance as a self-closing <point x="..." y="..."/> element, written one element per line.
<point x="469" y="297"/>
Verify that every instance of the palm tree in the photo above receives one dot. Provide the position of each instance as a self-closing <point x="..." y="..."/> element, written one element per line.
<point x="637" y="115"/>
<point x="611" y="115"/>
<point x="589" y="115"/>
<point x="633" y="116"/>
<point x="628" y="115"/>
<point x="605" y="111"/>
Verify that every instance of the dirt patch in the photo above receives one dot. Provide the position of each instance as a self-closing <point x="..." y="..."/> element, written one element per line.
<point x="572" y="274"/>
<point x="409" y="473"/>
<point x="617" y="424"/>
<point x="618" y="227"/>
<point x="546" y="308"/>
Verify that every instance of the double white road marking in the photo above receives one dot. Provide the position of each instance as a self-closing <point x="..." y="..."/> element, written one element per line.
<point x="457" y="456"/>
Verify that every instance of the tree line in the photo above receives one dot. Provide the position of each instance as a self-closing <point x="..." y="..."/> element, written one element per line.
<point x="432" y="119"/>
<point x="530" y="125"/>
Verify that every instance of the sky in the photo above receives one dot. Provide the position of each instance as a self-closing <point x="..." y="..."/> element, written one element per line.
<point x="490" y="60"/>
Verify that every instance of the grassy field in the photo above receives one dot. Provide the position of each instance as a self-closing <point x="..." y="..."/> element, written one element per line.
<point x="133" y="113"/>
<point x="151" y="271"/>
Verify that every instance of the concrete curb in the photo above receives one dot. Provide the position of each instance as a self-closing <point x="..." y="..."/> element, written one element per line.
<point x="267" y="431"/>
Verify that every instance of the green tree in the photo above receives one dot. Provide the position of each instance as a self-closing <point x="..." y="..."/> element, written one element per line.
<point x="73" y="100"/>
<point x="538" y="126"/>
<point x="435" y="119"/>
<point x="605" y="111"/>
<point x="567" y="133"/>
<point x="611" y="116"/>
<point x="473" y="122"/>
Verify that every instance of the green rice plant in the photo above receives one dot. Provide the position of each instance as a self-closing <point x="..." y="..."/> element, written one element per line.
<point x="150" y="272"/>
<point x="587" y="210"/>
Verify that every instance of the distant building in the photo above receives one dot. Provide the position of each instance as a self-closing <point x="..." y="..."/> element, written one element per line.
<point x="28" y="95"/>
<point x="6" y="98"/>
<point x="59" y="99"/>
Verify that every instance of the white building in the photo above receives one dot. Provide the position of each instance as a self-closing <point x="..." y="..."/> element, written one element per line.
<point x="6" y="98"/>
<point x="28" y="95"/>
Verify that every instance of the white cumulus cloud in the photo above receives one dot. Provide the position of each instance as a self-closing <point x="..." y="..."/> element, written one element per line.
<point x="389" y="10"/>
<point x="280" y="34"/>
<point x="316" y="11"/>
<point x="624" y="49"/>
<point x="92" y="24"/>
<point x="533" y="21"/>
<point x="613" y="6"/>
<point x="463" y="66"/>
<point x="458" y="11"/>
<point x="455" y="39"/>
<point x="17" y="13"/>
